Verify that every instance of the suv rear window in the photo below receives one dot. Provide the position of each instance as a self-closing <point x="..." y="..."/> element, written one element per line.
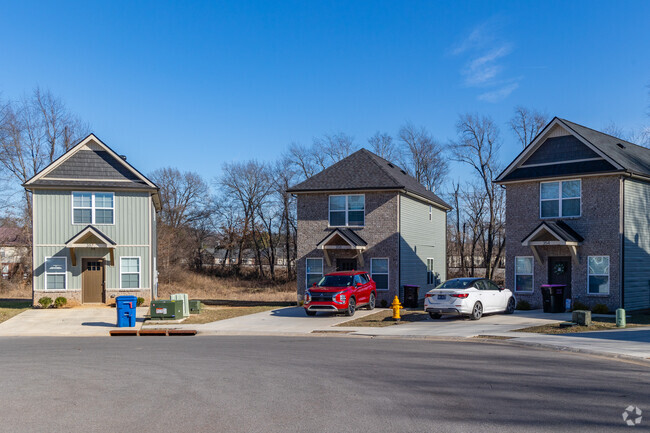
<point x="456" y="284"/>
<point x="335" y="281"/>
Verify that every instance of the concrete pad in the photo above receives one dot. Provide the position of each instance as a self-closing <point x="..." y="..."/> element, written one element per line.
<point x="288" y="320"/>
<point x="67" y="322"/>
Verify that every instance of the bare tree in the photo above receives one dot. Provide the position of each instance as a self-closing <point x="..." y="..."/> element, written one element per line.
<point x="526" y="124"/>
<point x="184" y="196"/>
<point x="331" y="148"/>
<point x="303" y="158"/>
<point x="383" y="145"/>
<point x="423" y="156"/>
<point x="478" y="146"/>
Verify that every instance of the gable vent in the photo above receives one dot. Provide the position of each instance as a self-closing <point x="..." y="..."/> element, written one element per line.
<point x="391" y="165"/>
<point x="620" y="145"/>
<point x="403" y="172"/>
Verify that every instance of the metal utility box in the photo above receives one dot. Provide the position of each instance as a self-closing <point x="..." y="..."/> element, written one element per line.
<point x="166" y="310"/>
<point x="183" y="298"/>
<point x="195" y="306"/>
<point x="581" y="317"/>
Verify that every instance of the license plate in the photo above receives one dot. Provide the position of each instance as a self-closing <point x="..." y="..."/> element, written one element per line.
<point x="441" y="296"/>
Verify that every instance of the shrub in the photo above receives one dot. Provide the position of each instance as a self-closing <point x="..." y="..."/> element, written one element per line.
<point x="523" y="305"/>
<point x="384" y="303"/>
<point x="60" y="302"/>
<point x="600" y="309"/>
<point x="45" y="302"/>
<point x="140" y="301"/>
<point x="577" y="305"/>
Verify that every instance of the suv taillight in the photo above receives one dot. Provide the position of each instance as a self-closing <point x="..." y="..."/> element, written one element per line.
<point x="460" y="295"/>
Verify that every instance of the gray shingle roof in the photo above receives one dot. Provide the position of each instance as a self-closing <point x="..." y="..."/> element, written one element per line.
<point x="348" y="234"/>
<point x="363" y="171"/>
<point x="561" y="229"/>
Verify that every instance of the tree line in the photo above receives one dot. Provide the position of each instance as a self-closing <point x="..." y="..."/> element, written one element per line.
<point x="246" y="209"/>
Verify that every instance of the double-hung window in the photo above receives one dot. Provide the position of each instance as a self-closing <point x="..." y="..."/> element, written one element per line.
<point x="347" y="210"/>
<point x="93" y="208"/>
<point x="598" y="275"/>
<point x="55" y="273"/>
<point x="560" y="199"/>
<point x="524" y="273"/>
<point x="431" y="276"/>
<point x="379" y="273"/>
<point x="314" y="271"/>
<point x="129" y="272"/>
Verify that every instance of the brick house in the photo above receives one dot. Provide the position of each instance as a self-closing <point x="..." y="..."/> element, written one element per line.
<point x="365" y="213"/>
<point x="577" y="211"/>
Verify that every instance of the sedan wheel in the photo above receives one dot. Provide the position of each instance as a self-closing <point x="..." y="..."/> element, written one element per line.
<point x="435" y="316"/>
<point x="511" y="306"/>
<point x="477" y="311"/>
<point x="371" y="303"/>
<point x="352" y="305"/>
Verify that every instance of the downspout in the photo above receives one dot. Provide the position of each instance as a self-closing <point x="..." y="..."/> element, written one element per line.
<point x="399" y="242"/>
<point x="621" y="232"/>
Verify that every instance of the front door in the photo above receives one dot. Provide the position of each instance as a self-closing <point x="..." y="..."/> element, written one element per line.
<point x="346" y="264"/>
<point x="92" y="280"/>
<point x="559" y="272"/>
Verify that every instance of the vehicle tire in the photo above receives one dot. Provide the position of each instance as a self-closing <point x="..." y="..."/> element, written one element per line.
<point x="352" y="307"/>
<point x="511" y="306"/>
<point x="435" y="316"/>
<point x="371" y="303"/>
<point x="310" y="313"/>
<point x="477" y="311"/>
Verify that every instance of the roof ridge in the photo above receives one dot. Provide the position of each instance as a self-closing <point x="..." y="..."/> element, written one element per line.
<point x="602" y="133"/>
<point x="382" y="168"/>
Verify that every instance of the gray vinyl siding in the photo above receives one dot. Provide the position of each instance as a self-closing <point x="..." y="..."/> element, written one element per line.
<point x="636" y="245"/>
<point x="420" y="239"/>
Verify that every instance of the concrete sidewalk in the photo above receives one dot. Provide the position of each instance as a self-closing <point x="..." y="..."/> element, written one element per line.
<point x="65" y="322"/>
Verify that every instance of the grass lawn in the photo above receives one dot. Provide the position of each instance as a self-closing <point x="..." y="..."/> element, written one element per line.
<point x="12" y="307"/>
<point x="635" y="320"/>
<point x="213" y="313"/>
<point x="385" y="318"/>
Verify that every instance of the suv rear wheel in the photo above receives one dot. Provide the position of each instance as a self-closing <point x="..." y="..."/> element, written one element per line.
<point x="371" y="303"/>
<point x="352" y="306"/>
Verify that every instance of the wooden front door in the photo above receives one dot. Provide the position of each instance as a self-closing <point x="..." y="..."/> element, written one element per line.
<point x="92" y="280"/>
<point x="346" y="264"/>
<point x="559" y="272"/>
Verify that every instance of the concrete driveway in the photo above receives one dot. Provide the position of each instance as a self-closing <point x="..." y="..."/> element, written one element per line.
<point x="66" y="322"/>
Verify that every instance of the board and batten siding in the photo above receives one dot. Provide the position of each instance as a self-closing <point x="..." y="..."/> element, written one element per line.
<point x="636" y="245"/>
<point x="421" y="238"/>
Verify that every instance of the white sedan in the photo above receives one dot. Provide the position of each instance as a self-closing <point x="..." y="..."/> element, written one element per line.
<point x="471" y="297"/>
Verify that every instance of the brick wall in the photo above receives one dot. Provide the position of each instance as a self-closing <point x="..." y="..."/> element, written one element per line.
<point x="380" y="232"/>
<point x="598" y="225"/>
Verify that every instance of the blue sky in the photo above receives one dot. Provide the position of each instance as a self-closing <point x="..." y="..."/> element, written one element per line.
<point x="195" y="84"/>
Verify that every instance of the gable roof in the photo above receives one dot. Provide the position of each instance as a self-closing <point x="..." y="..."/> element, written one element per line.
<point x="91" y="164"/>
<point x="365" y="171"/>
<point x="612" y="155"/>
<point x="348" y="235"/>
<point x="560" y="230"/>
<point x="88" y="233"/>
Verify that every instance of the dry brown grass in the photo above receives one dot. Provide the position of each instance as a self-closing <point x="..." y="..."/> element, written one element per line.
<point x="199" y="286"/>
<point x="15" y="290"/>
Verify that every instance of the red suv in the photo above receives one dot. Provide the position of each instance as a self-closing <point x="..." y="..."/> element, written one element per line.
<point x="341" y="292"/>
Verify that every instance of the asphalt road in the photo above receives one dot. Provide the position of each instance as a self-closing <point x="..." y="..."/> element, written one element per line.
<point x="311" y="384"/>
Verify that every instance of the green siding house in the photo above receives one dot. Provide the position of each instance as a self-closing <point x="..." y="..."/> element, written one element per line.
<point x="94" y="227"/>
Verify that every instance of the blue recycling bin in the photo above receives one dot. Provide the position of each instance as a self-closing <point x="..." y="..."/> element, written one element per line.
<point x="126" y="311"/>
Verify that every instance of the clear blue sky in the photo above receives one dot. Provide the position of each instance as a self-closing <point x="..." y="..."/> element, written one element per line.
<point x="194" y="84"/>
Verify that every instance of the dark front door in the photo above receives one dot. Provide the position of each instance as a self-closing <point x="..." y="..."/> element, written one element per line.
<point x="92" y="280"/>
<point x="346" y="264"/>
<point x="559" y="272"/>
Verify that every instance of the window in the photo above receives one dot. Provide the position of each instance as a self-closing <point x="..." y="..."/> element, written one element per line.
<point x="379" y="273"/>
<point x="560" y="199"/>
<point x="55" y="273"/>
<point x="524" y="274"/>
<point x="358" y="280"/>
<point x="430" y="213"/>
<point x="347" y="210"/>
<point x="93" y="207"/>
<point x="314" y="271"/>
<point x="431" y="276"/>
<point x="129" y="272"/>
<point x="598" y="275"/>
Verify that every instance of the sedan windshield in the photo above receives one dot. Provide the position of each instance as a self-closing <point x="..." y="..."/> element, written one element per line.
<point x="460" y="283"/>
<point x="335" y="281"/>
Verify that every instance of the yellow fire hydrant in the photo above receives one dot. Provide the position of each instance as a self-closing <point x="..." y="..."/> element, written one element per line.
<point x="396" y="306"/>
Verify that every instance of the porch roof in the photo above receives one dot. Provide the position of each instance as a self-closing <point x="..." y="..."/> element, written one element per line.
<point x="553" y="233"/>
<point x="90" y="237"/>
<point x="342" y="238"/>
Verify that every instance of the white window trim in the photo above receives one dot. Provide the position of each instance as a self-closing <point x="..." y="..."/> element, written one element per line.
<point x="559" y="199"/>
<point x="431" y="272"/>
<point x="387" y="273"/>
<point x="532" y="288"/>
<point x="64" y="273"/>
<point x="347" y="210"/>
<point x="92" y="207"/>
<point x="307" y="273"/>
<point x="131" y="273"/>
<point x="609" y="280"/>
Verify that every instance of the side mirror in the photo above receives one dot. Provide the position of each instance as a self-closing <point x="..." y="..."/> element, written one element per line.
<point x="359" y="284"/>
<point x="313" y="285"/>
